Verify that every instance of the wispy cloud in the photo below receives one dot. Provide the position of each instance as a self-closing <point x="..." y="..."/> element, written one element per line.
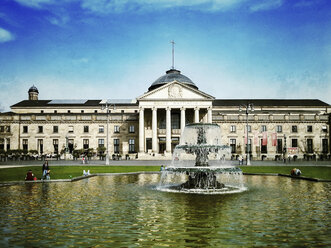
<point x="307" y="3"/>
<point x="120" y="6"/>
<point x="35" y="3"/>
<point x="6" y="36"/>
<point x="59" y="20"/>
<point x="266" y="5"/>
<point x="106" y="6"/>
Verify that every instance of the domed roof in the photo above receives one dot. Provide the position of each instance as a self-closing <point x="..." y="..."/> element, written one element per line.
<point x="170" y="76"/>
<point x="33" y="89"/>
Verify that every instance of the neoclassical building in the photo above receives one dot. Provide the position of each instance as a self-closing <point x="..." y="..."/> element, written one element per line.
<point x="149" y="127"/>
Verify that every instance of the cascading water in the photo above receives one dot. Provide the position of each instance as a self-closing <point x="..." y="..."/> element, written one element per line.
<point x="198" y="164"/>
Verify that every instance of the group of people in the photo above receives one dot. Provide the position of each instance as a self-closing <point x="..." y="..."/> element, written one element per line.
<point x="45" y="173"/>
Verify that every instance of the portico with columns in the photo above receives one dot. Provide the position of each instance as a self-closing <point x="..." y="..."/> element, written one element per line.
<point x="164" y="112"/>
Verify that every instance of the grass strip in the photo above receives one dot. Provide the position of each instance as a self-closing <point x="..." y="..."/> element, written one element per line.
<point x="320" y="172"/>
<point x="67" y="172"/>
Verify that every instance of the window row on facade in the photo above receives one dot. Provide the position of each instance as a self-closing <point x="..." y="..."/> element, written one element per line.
<point x="279" y="128"/>
<point x="85" y="129"/>
<point x="279" y="144"/>
<point x="70" y="145"/>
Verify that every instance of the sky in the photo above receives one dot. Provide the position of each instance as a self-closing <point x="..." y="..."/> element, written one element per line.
<point x="115" y="49"/>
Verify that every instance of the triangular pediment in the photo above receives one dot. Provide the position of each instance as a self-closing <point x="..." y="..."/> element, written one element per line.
<point x="175" y="91"/>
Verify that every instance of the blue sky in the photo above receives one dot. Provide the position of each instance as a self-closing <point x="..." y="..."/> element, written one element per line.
<point x="73" y="49"/>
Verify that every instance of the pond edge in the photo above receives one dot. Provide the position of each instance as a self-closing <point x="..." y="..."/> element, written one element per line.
<point x="10" y="183"/>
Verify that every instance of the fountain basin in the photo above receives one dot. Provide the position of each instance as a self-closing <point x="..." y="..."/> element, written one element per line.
<point x="199" y="161"/>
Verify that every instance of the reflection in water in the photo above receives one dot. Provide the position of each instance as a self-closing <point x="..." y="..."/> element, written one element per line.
<point x="126" y="211"/>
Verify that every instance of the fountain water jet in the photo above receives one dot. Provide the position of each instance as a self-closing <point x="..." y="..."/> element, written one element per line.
<point x="198" y="164"/>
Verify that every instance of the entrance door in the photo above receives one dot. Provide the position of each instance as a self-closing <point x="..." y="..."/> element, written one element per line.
<point x="162" y="147"/>
<point x="148" y="144"/>
<point x="174" y="142"/>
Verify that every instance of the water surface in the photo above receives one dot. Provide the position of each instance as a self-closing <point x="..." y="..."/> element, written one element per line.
<point x="126" y="211"/>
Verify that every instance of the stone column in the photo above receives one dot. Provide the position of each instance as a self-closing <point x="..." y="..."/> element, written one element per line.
<point x="182" y="119"/>
<point x="209" y="115"/>
<point x="141" y="131"/>
<point x="5" y="144"/>
<point x="196" y="115"/>
<point x="154" y="130"/>
<point x="168" y="130"/>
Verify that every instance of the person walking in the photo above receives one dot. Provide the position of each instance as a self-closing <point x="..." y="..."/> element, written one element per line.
<point x="45" y="170"/>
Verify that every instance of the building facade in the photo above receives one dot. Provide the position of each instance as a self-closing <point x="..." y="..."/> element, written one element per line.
<point x="149" y="127"/>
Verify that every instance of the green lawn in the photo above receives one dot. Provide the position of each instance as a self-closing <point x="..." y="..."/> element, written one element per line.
<point x="320" y="172"/>
<point x="66" y="172"/>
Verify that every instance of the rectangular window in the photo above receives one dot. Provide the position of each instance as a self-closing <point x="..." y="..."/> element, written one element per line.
<point x="71" y="129"/>
<point x="233" y="145"/>
<point x="263" y="128"/>
<point x="294" y="129"/>
<point x="279" y="146"/>
<point x="70" y="145"/>
<point x="85" y="129"/>
<point x="101" y="142"/>
<point x="116" y="146"/>
<point x="56" y="146"/>
<point x="82" y="111"/>
<point x="101" y="129"/>
<point x="116" y="129"/>
<point x="324" y="146"/>
<point x="175" y="121"/>
<point x="40" y="129"/>
<point x="7" y="129"/>
<point x="25" y="145"/>
<point x="8" y="144"/>
<point x="324" y="129"/>
<point x="55" y="129"/>
<point x="264" y="149"/>
<point x="309" y="129"/>
<point x="131" y="146"/>
<point x="162" y="123"/>
<point x="279" y="129"/>
<point x="85" y="144"/>
<point x="2" y="129"/>
<point x="232" y="129"/>
<point x="55" y="111"/>
<point x="310" y="146"/>
<point x="25" y="129"/>
<point x="40" y="146"/>
<point x="294" y="142"/>
<point x="131" y="129"/>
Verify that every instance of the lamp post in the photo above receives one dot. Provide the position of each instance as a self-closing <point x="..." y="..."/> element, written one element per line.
<point x="329" y="123"/>
<point x="247" y="107"/>
<point x="284" y="149"/>
<point x="66" y="148"/>
<point x="106" y="105"/>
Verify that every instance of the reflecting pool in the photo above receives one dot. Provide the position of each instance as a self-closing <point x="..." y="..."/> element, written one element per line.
<point x="127" y="211"/>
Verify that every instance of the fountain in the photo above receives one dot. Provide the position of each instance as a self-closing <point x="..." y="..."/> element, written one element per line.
<point x="199" y="165"/>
